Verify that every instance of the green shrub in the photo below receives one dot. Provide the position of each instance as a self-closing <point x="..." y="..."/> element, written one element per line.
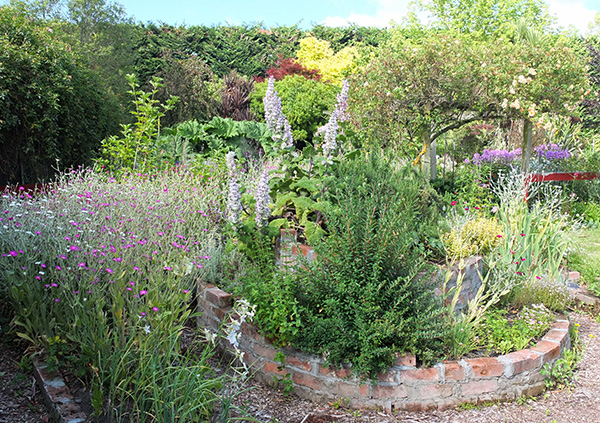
<point x="361" y="300"/>
<point x="472" y="237"/>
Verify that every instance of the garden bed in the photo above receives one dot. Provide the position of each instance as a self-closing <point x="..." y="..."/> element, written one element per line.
<point x="403" y="387"/>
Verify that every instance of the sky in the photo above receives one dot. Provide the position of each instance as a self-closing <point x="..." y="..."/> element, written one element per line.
<point x="305" y="13"/>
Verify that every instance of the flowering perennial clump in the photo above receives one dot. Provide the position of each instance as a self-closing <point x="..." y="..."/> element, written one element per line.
<point x="339" y="114"/>
<point x="496" y="156"/>
<point x="274" y="117"/>
<point x="234" y="198"/>
<point x="552" y="152"/>
<point x="263" y="198"/>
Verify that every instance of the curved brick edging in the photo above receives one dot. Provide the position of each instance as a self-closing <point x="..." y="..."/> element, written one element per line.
<point x="404" y="386"/>
<point x="59" y="401"/>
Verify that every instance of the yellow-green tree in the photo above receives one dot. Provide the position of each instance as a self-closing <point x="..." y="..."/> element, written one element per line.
<point x="334" y="67"/>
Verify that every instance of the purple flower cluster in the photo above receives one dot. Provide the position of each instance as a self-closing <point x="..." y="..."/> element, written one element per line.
<point x="552" y="152"/>
<point x="274" y="117"/>
<point x="339" y="114"/>
<point x="496" y="156"/>
<point x="263" y="198"/>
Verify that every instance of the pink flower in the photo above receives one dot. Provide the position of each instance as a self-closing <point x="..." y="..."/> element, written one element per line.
<point x="143" y="292"/>
<point x="522" y="234"/>
<point x="13" y="253"/>
<point x="453" y="203"/>
<point x="58" y="268"/>
<point x="498" y="236"/>
<point x="109" y="270"/>
<point x="154" y="308"/>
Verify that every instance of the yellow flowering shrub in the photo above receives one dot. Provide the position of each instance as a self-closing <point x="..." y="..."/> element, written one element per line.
<point x="318" y="54"/>
<point x="475" y="236"/>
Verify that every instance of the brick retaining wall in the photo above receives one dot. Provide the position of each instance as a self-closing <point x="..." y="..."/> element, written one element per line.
<point x="404" y="386"/>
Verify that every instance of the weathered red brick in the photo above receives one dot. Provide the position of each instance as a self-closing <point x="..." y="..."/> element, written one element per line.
<point x="389" y="376"/>
<point x="485" y="367"/>
<point x="251" y="330"/>
<point x="221" y="312"/>
<point x="266" y="352"/>
<point x="478" y="387"/>
<point x="218" y="297"/>
<point x="407" y="359"/>
<point x="557" y="336"/>
<point x="390" y="392"/>
<point x="414" y="406"/>
<point x="204" y="286"/>
<point x="564" y="325"/>
<point x="431" y="391"/>
<point x="350" y="390"/>
<point x="524" y="360"/>
<point x="296" y="362"/>
<point x="310" y="381"/>
<point x="306" y="249"/>
<point x="549" y="350"/>
<point x="271" y="367"/>
<point x="454" y="371"/>
<point x="430" y="374"/>
<point x="333" y="372"/>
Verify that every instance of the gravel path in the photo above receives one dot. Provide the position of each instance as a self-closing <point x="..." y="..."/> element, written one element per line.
<point x="582" y="404"/>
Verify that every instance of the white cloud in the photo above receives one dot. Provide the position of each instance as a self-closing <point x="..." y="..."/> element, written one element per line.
<point x="569" y="13"/>
<point x="385" y="12"/>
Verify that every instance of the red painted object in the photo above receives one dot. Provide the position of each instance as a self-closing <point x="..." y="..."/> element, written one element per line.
<point x="559" y="176"/>
<point x="562" y="176"/>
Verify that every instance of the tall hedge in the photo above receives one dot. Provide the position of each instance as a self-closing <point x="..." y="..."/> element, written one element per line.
<point x="52" y="110"/>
